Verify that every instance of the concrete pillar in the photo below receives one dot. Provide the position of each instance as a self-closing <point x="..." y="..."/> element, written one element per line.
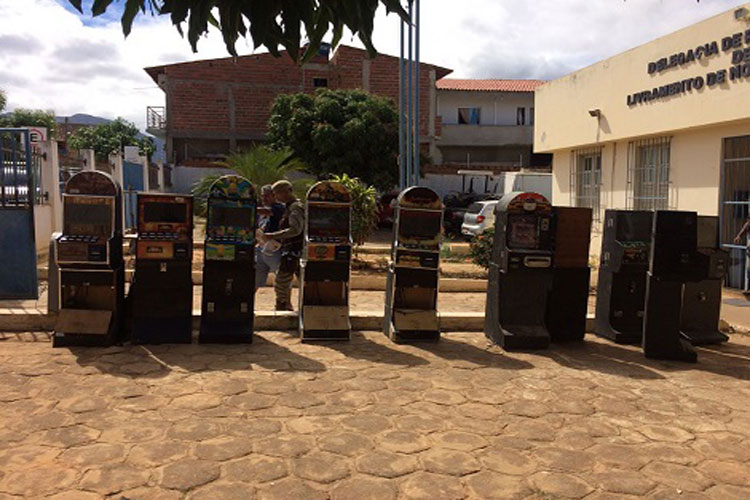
<point x="146" y="181"/>
<point x="115" y="163"/>
<point x="51" y="181"/>
<point x="160" y="165"/>
<point x="89" y="159"/>
<point x="431" y="130"/>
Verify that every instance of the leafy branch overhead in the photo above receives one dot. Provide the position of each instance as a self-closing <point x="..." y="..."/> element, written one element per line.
<point x="269" y="23"/>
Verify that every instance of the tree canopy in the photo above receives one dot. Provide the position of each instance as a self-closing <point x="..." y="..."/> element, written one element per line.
<point x="107" y="138"/>
<point x="269" y="23"/>
<point x="339" y="132"/>
<point x="3" y="100"/>
<point x="260" y="165"/>
<point x="21" y="117"/>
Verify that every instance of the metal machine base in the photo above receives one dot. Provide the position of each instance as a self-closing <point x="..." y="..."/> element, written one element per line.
<point x="162" y="331"/>
<point x="516" y="309"/>
<point x="225" y="332"/>
<point x="567" y="304"/>
<point x="661" y="330"/>
<point x="701" y="304"/>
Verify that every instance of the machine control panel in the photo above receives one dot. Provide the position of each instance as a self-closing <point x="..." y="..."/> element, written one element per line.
<point x="525" y="231"/>
<point x="165" y="227"/>
<point x="88" y="229"/>
<point x="328" y="228"/>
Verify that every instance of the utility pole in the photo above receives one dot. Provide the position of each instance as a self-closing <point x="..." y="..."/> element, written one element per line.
<point x="408" y="85"/>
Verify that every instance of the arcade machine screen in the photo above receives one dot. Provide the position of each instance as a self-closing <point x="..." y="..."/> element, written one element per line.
<point x="634" y="229"/>
<point x="91" y="218"/>
<point x="236" y="217"/>
<point x="419" y="226"/>
<point x="175" y="213"/>
<point x="328" y="221"/>
<point x="523" y="232"/>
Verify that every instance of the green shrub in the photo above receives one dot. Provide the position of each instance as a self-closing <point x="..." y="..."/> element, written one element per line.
<point x="364" y="207"/>
<point x="480" y="248"/>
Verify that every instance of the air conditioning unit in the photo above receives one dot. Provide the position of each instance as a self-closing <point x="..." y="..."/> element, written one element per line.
<point x="742" y="14"/>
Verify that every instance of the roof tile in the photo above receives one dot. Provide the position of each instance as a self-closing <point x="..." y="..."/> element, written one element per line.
<point x="494" y="85"/>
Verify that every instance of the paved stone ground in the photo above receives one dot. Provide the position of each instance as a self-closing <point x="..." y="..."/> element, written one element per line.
<point x="369" y="419"/>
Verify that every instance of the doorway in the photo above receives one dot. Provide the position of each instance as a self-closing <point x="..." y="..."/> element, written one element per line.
<point x="735" y="206"/>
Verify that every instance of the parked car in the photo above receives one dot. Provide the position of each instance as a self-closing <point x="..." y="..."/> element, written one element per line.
<point x="456" y="205"/>
<point x="478" y="218"/>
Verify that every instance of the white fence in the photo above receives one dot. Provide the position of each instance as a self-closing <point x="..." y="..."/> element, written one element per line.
<point x="500" y="184"/>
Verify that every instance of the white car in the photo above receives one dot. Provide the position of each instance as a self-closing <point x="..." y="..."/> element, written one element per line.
<point x="479" y="218"/>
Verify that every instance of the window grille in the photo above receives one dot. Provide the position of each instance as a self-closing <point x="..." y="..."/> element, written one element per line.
<point x="586" y="179"/>
<point x="648" y="173"/>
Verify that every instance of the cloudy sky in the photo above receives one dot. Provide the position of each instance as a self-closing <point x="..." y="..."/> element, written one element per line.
<point x="53" y="58"/>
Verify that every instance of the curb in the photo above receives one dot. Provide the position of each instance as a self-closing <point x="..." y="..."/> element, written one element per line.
<point x="357" y="282"/>
<point x="273" y="320"/>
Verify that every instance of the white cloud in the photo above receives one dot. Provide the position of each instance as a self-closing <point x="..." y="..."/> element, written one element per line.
<point x="51" y="60"/>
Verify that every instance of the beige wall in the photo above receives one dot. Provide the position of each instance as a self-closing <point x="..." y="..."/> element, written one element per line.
<point x="695" y="173"/>
<point x="696" y="120"/>
<point x="562" y="118"/>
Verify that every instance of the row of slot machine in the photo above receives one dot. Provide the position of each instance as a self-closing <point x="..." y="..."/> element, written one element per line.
<point x="87" y="271"/>
<point x="659" y="284"/>
<point x="659" y="280"/>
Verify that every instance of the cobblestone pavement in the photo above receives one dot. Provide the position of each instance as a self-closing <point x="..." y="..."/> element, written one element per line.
<point x="369" y="419"/>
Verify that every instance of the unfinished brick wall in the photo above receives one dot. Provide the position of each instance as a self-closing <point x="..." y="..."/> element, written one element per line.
<point x="230" y="99"/>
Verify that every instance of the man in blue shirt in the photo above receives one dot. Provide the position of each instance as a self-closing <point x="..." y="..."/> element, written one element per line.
<point x="268" y="253"/>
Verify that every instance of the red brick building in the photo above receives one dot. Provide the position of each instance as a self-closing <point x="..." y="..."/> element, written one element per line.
<point x="217" y="106"/>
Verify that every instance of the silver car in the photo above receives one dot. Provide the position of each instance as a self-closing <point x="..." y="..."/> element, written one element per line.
<point x="479" y="218"/>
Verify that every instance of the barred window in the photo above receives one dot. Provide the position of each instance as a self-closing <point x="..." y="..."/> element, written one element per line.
<point x="648" y="173"/>
<point x="586" y="178"/>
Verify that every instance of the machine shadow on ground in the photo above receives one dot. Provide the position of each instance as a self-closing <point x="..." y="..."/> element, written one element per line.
<point x="453" y="350"/>
<point x="364" y="349"/>
<point x="629" y="361"/>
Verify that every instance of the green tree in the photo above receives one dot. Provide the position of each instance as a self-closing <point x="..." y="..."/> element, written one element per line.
<point x="261" y="165"/>
<point x="107" y="138"/>
<point x="3" y="100"/>
<point x="21" y="117"/>
<point x="339" y="132"/>
<point x="364" y="207"/>
<point x="269" y="23"/>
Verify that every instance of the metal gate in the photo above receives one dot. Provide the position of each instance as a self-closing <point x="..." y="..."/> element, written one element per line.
<point x="18" y="278"/>
<point x="132" y="179"/>
<point x="735" y="207"/>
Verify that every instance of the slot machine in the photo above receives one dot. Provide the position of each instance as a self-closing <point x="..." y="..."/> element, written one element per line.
<point x="229" y="262"/>
<point x="701" y="300"/>
<point x="89" y="263"/>
<point x="621" y="289"/>
<point x="325" y="264"/>
<point x="674" y="262"/>
<point x="411" y="312"/>
<point x="161" y="296"/>
<point x="520" y="276"/>
<point x="567" y="303"/>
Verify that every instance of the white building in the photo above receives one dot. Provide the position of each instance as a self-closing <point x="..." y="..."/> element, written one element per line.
<point x="487" y="124"/>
